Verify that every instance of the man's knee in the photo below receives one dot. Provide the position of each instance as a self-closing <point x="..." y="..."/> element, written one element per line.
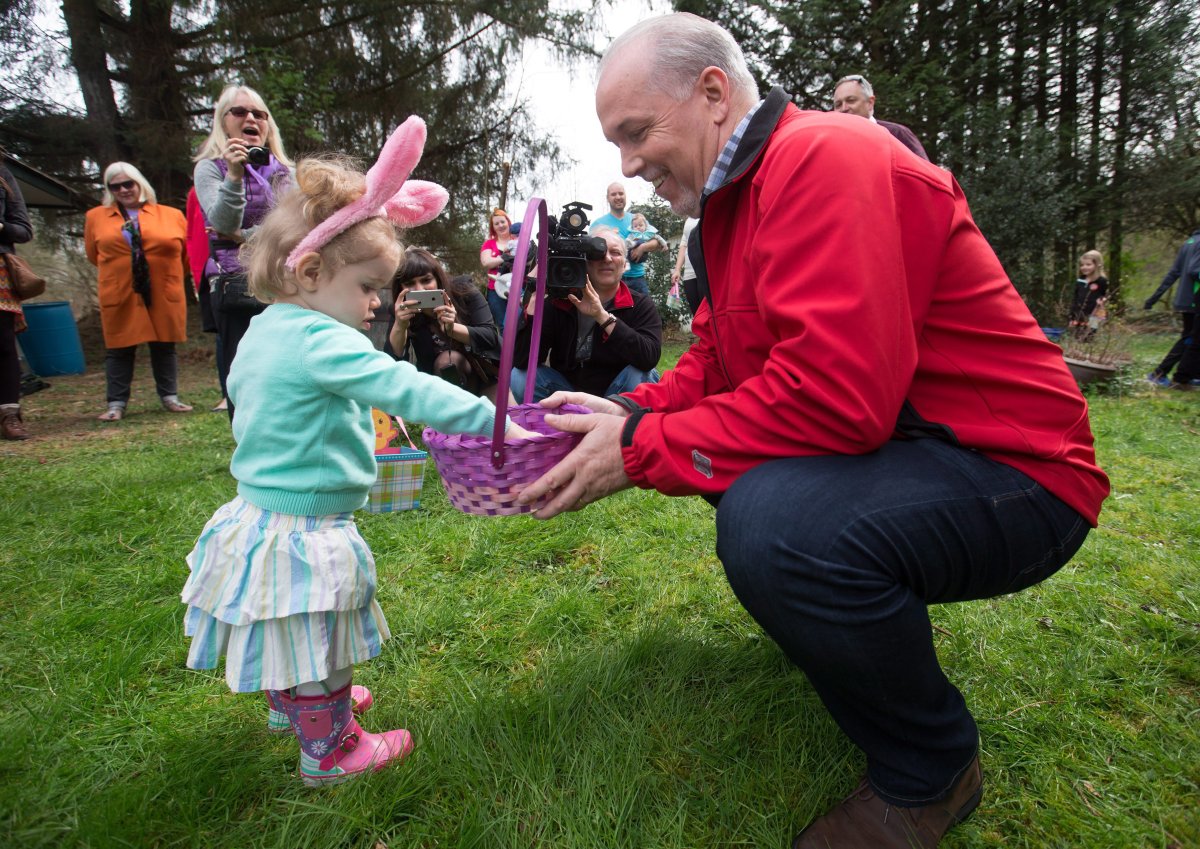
<point x="762" y="527"/>
<point x="630" y="378"/>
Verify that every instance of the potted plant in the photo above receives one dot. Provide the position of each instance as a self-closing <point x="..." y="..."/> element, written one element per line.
<point x="1096" y="351"/>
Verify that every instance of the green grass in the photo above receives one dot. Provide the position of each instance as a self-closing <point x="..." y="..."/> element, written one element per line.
<point x="586" y="682"/>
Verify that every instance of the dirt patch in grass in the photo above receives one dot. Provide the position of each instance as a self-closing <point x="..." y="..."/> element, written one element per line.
<point x="63" y="416"/>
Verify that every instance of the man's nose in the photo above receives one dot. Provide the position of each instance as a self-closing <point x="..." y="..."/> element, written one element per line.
<point x="631" y="163"/>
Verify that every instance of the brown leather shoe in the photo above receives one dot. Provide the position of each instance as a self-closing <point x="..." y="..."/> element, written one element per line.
<point x="12" y="426"/>
<point x="865" y="820"/>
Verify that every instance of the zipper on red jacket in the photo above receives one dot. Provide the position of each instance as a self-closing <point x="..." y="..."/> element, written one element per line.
<point x="712" y="309"/>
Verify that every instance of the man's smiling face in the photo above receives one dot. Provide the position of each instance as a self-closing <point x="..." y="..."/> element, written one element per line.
<point x="669" y="143"/>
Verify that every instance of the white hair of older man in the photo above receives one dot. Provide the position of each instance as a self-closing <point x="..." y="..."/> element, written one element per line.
<point x="680" y="47"/>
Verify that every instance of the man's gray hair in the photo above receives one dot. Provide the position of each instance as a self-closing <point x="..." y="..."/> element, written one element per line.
<point x="680" y="46"/>
<point x="856" y="78"/>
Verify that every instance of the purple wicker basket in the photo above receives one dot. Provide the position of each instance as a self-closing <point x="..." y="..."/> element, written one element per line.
<point x="484" y="476"/>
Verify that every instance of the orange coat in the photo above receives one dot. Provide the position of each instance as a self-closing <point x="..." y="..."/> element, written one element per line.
<point x="125" y="319"/>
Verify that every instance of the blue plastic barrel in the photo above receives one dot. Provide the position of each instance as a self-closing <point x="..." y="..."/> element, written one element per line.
<point x="51" y="342"/>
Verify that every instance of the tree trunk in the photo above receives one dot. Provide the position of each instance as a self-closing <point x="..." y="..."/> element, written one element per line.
<point x="1016" y="85"/>
<point x="1116" y="226"/>
<point x="90" y="60"/>
<point x="1068" y="138"/>
<point x="1095" y="139"/>
<point x="156" y="99"/>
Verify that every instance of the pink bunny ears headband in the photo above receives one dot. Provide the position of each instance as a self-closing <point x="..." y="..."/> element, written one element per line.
<point x="390" y="194"/>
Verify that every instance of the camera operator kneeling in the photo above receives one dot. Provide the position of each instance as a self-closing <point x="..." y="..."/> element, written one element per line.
<point x="605" y="341"/>
<point x="453" y="335"/>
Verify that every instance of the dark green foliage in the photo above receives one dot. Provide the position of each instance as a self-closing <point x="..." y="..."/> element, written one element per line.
<point x="1071" y="123"/>
<point x="338" y="75"/>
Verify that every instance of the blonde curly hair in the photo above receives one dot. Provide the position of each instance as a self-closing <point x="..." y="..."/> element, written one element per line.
<point x="324" y="185"/>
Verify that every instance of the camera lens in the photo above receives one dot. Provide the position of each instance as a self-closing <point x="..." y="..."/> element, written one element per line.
<point x="258" y="155"/>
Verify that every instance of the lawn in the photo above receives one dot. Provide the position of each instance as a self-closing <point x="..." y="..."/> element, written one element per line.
<point x="585" y="682"/>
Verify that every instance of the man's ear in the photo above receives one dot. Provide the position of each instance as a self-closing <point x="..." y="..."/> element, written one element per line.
<point x="714" y="84"/>
<point x="307" y="273"/>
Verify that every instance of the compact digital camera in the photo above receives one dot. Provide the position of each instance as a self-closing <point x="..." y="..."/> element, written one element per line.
<point x="258" y="156"/>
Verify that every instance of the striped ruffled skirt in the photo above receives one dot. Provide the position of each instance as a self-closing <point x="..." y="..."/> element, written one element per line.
<point x="286" y="599"/>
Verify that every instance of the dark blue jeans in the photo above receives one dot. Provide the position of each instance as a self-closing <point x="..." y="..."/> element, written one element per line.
<point x="498" y="306"/>
<point x="837" y="558"/>
<point x="549" y="380"/>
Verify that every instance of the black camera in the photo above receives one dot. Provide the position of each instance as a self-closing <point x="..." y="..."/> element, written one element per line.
<point x="258" y="156"/>
<point x="569" y="250"/>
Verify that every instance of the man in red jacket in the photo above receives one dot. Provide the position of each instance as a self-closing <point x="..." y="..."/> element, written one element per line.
<point x="870" y="404"/>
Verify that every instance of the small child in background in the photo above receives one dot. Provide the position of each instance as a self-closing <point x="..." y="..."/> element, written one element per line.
<point x="640" y="232"/>
<point x="281" y="582"/>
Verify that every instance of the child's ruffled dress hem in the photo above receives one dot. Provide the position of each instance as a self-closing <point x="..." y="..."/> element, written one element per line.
<point x="286" y="599"/>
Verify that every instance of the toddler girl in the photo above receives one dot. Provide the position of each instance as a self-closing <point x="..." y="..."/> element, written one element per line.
<point x="281" y="582"/>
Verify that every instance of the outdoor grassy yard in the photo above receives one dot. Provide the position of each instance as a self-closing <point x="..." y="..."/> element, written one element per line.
<point x="586" y="682"/>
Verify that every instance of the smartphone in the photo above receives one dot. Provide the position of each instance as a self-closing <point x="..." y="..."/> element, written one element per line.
<point x="427" y="299"/>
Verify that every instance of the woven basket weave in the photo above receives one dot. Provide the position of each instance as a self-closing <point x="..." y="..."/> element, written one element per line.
<point x="474" y="485"/>
<point x="484" y="476"/>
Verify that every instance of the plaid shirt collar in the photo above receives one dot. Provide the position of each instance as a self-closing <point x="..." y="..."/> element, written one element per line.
<point x="717" y="176"/>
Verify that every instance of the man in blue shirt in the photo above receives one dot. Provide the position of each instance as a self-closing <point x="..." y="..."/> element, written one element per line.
<point x="619" y="218"/>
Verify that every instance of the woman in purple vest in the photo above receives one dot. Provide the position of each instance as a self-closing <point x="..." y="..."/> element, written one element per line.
<point x="240" y="171"/>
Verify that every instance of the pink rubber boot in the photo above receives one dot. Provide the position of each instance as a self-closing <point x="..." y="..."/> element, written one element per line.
<point x="333" y="746"/>
<point x="278" y="723"/>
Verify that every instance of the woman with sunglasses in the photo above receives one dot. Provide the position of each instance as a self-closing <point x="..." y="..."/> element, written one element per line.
<point x="241" y="169"/>
<point x="138" y="246"/>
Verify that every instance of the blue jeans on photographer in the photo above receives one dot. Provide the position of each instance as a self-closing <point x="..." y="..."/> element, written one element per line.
<point x="838" y="558"/>
<point x="549" y="381"/>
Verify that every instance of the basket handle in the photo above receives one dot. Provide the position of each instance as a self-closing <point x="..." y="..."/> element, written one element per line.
<point x="536" y="209"/>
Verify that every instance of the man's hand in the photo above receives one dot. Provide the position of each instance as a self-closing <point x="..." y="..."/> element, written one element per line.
<point x="582" y="399"/>
<point x="591" y="471"/>
<point x="590" y="303"/>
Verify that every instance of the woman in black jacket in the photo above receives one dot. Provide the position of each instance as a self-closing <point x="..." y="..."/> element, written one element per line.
<point x="457" y="339"/>
<point x="14" y="229"/>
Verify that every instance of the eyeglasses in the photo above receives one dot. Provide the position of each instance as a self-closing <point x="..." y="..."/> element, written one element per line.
<point x="242" y="112"/>
<point x="125" y="184"/>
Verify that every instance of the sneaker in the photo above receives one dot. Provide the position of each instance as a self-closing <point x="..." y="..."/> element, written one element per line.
<point x="1159" y="380"/>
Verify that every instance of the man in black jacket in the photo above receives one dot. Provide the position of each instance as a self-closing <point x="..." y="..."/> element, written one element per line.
<point x="606" y="342"/>
<point x="1186" y="270"/>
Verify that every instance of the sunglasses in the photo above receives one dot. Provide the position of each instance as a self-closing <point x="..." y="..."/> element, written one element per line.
<point x="125" y="184"/>
<point x="242" y="112"/>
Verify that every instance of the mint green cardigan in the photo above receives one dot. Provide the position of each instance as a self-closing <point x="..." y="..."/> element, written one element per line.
<point x="303" y="385"/>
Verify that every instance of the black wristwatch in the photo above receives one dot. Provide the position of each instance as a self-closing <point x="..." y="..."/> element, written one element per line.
<point x="612" y="319"/>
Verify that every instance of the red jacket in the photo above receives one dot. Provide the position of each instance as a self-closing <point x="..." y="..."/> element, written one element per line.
<point x="851" y="300"/>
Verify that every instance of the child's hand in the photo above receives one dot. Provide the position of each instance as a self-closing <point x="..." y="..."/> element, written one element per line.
<point x="515" y="431"/>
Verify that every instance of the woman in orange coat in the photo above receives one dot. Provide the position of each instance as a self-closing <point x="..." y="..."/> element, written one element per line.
<point x="139" y="248"/>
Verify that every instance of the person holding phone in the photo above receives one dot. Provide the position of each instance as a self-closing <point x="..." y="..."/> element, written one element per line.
<point x="444" y="324"/>
<point x="603" y="341"/>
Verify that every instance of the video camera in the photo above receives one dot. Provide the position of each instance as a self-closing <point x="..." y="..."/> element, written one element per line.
<point x="568" y="250"/>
